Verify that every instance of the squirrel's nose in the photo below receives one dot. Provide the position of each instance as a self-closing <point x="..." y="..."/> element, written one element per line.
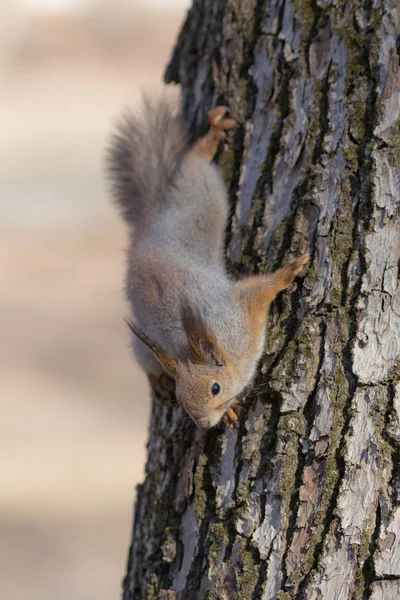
<point x="203" y="422"/>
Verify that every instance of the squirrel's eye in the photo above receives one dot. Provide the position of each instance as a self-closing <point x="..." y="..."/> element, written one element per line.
<point x="216" y="388"/>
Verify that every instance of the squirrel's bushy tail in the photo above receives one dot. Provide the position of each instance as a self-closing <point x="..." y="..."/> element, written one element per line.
<point x="144" y="155"/>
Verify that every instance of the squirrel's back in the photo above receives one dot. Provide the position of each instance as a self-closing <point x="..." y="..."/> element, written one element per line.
<point x="144" y="157"/>
<point x="168" y="191"/>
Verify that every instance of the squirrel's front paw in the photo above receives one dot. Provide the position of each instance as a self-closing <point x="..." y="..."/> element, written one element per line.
<point x="231" y="418"/>
<point x="294" y="267"/>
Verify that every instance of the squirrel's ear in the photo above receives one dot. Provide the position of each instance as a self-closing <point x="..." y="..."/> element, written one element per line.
<point x="167" y="361"/>
<point x="210" y="352"/>
<point x="202" y="341"/>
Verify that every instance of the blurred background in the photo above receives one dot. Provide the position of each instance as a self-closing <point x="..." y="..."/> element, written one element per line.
<point x="74" y="407"/>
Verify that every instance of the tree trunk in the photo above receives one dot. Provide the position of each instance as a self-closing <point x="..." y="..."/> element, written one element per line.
<point x="302" y="500"/>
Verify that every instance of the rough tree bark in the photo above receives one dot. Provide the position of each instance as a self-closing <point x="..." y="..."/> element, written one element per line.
<point x="302" y="500"/>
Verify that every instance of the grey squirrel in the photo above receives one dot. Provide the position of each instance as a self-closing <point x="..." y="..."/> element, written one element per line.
<point x="190" y="319"/>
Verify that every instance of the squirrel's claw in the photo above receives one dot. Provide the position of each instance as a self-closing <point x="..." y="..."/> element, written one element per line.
<point x="231" y="418"/>
<point x="217" y="121"/>
<point x="298" y="263"/>
<point x="208" y="145"/>
<point x="292" y="268"/>
<point x="216" y="114"/>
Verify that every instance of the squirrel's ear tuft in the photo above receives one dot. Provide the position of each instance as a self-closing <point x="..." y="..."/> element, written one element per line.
<point x="210" y="352"/>
<point x="167" y="361"/>
<point x="203" y="343"/>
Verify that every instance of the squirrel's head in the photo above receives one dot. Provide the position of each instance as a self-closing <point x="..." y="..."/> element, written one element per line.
<point x="205" y="379"/>
<point x="205" y="384"/>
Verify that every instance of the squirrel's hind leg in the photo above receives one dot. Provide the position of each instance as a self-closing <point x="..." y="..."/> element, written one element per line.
<point x="208" y="145"/>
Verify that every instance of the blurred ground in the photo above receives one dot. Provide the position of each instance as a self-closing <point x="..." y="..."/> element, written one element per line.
<point x="74" y="407"/>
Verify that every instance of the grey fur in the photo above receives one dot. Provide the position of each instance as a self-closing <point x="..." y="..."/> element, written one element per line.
<point x="145" y="152"/>
<point x="181" y="259"/>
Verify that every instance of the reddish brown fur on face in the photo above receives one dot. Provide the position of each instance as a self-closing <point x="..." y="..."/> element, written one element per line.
<point x="193" y="389"/>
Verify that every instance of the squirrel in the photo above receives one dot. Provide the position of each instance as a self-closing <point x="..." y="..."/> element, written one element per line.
<point x="190" y="319"/>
